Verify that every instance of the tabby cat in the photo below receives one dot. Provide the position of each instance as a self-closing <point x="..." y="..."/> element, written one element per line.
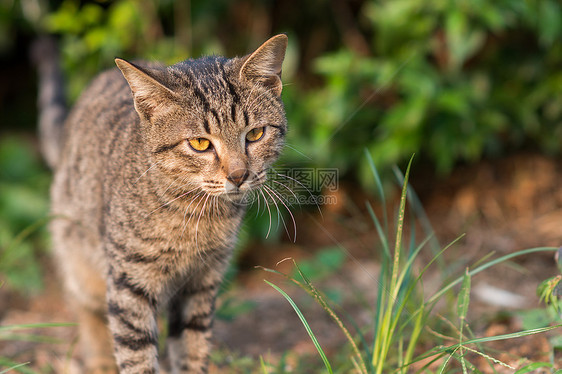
<point x="152" y="167"/>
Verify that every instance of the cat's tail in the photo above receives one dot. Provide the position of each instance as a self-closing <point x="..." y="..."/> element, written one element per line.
<point x="51" y="98"/>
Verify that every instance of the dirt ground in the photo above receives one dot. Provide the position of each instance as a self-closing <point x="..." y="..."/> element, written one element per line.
<point x="503" y="206"/>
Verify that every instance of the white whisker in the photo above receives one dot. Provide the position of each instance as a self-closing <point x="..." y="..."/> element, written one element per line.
<point x="280" y="218"/>
<point x="146" y="171"/>
<point x="171" y="201"/>
<point x="199" y="219"/>
<point x="298" y="151"/>
<point x="288" y="189"/>
<point x="187" y="209"/>
<point x="171" y="184"/>
<point x="269" y="212"/>
<point x="288" y="210"/>
<point x="258" y="208"/>
<point x="303" y="186"/>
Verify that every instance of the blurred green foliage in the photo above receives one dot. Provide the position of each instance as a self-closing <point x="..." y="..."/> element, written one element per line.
<point x="455" y="80"/>
<point x="23" y="209"/>
<point x="322" y="265"/>
<point x="451" y="80"/>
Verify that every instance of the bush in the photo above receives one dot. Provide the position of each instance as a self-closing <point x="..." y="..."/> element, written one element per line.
<point x="450" y="81"/>
<point x="454" y="81"/>
<point x="23" y="215"/>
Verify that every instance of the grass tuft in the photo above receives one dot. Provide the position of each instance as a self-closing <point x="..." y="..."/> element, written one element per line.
<point x="402" y="313"/>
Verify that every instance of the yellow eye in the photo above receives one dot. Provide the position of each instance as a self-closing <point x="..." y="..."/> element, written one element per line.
<point x="199" y="144"/>
<point x="255" y="134"/>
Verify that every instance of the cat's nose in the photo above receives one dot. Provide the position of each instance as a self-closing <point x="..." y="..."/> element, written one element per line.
<point x="238" y="176"/>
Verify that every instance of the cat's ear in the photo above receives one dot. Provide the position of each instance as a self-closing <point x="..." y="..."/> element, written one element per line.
<point x="264" y="65"/>
<point x="148" y="93"/>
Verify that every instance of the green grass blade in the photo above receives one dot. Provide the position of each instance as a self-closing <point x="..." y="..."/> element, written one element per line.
<point x="306" y="326"/>
<point x="464" y="298"/>
<point x="532" y="367"/>
<point x="34" y="326"/>
<point x="13" y="366"/>
<point x="490" y="361"/>
<point x="411" y="288"/>
<point x="420" y="314"/>
<point x="30" y="338"/>
<point x="399" y="232"/>
<point x="485" y="339"/>
<point x="408" y="266"/>
<point x="428" y="364"/>
<point x="318" y="297"/>
<point x="263" y="366"/>
<point x="375" y="173"/>
<point x="512" y="335"/>
<point x="423" y="219"/>
<point x="387" y="325"/>
<point x="462" y="311"/>
<point x="490" y="358"/>
<point x="405" y="277"/>
<point x="419" y="324"/>
<point x="446" y="362"/>
<point x="381" y="302"/>
<point x="379" y="187"/>
<point x="380" y="232"/>
<point x="440" y="293"/>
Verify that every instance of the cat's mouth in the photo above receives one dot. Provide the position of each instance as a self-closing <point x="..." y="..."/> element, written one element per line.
<point x="233" y="191"/>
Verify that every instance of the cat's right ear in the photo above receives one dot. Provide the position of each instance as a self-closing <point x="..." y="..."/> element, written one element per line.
<point x="148" y="93"/>
<point x="264" y="65"/>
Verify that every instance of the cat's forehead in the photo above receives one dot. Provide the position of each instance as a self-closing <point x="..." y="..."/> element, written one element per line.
<point x="218" y="98"/>
<point x="212" y="76"/>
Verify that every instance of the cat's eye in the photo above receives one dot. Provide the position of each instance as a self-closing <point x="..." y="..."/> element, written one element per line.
<point x="255" y="134"/>
<point x="199" y="144"/>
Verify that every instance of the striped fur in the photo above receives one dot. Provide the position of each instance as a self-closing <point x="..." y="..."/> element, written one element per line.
<point x="145" y="221"/>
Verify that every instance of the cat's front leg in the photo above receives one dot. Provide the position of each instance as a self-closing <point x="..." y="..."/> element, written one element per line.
<point x="190" y="319"/>
<point x="132" y="321"/>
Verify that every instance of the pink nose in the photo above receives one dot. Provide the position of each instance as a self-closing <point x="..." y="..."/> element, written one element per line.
<point x="238" y="176"/>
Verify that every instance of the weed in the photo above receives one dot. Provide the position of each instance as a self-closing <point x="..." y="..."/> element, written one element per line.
<point x="402" y="312"/>
<point x="13" y="333"/>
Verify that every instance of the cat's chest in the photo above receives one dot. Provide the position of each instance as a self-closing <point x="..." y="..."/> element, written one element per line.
<point x="199" y="222"/>
<point x="164" y="251"/>
<point x="173" y="233"/>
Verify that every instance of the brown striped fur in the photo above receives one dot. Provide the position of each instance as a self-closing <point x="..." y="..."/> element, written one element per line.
<point x="145" y="221"/>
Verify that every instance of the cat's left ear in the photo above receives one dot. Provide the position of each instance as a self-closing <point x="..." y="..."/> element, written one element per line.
<point x="264" y="65"/>
<point x="148" y="93"/>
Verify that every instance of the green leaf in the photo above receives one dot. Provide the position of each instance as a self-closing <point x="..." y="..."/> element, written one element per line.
<point x="550" y="25"/>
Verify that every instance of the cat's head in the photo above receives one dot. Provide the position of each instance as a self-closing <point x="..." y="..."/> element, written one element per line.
<point x="213" y="124"/>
